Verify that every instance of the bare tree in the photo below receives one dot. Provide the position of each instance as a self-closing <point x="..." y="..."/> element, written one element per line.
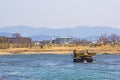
<point x="114" y="38"/>
<point x="80" y="42"/>
<point x="103" y="39"/>
<point x="16" y="35"/>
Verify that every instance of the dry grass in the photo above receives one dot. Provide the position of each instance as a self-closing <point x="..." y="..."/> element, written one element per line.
<point x="62" y="50"/>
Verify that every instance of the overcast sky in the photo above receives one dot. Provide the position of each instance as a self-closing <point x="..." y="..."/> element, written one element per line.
<point x="60" y="13"/>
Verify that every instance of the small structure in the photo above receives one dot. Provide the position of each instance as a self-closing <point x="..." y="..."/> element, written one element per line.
<point x="6" y="42"/>
<point x="63" y="40"/>
<point x="83" y="56"/>
<point x="20" y="42"/>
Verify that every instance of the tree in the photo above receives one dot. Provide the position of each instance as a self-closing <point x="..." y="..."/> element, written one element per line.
<point x="103" y="39"/>
<point x="4" y="43"/>
<point x="16" y="35"/>
<point x="114" y="38"/>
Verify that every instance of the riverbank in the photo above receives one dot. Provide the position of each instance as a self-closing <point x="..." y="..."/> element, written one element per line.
<point x="34" y="51"/>
<point x="62" y="50"/>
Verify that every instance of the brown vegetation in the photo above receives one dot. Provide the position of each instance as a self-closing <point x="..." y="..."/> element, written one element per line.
<point x="65" y="49"/>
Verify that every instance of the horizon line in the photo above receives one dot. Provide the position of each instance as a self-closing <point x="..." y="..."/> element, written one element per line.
<point x="56" y="27"/>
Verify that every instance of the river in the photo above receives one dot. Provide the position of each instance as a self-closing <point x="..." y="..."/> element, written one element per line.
<point x="58" y="67"/>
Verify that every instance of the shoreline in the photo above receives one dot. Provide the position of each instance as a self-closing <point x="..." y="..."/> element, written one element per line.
<point x="52" y="51"/>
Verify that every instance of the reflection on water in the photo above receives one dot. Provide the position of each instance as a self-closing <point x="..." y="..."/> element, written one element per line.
<point x="58" y="67"/>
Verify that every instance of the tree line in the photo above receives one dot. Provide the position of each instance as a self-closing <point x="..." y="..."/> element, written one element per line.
<point x="104" y="39"/>
<point x="16" y="41"/>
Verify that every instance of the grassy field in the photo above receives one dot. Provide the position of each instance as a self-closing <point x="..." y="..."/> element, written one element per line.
<point x="105" y="49"/>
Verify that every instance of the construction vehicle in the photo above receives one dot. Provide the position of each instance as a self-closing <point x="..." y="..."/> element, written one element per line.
<point x="83" y="56"/>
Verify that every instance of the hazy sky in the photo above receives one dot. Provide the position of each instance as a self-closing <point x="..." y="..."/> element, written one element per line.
<point x="60" y="13"/>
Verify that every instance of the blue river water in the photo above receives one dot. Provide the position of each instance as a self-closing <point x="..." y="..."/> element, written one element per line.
<point x="58" y="67"/>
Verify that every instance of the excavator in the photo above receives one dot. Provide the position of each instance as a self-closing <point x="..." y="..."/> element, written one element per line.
<point x="83" y="56"/>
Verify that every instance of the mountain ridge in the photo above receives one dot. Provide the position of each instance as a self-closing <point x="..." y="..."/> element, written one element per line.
<point x="77" y="32"/>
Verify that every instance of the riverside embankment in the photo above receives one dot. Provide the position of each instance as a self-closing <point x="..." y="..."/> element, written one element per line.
<point x="62" y="50"/>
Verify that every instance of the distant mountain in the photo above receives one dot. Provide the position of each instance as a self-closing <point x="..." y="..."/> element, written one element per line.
<point x="34" y="38"/>
<point x="6" y="34"/>
<point x="47" y="33"/>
